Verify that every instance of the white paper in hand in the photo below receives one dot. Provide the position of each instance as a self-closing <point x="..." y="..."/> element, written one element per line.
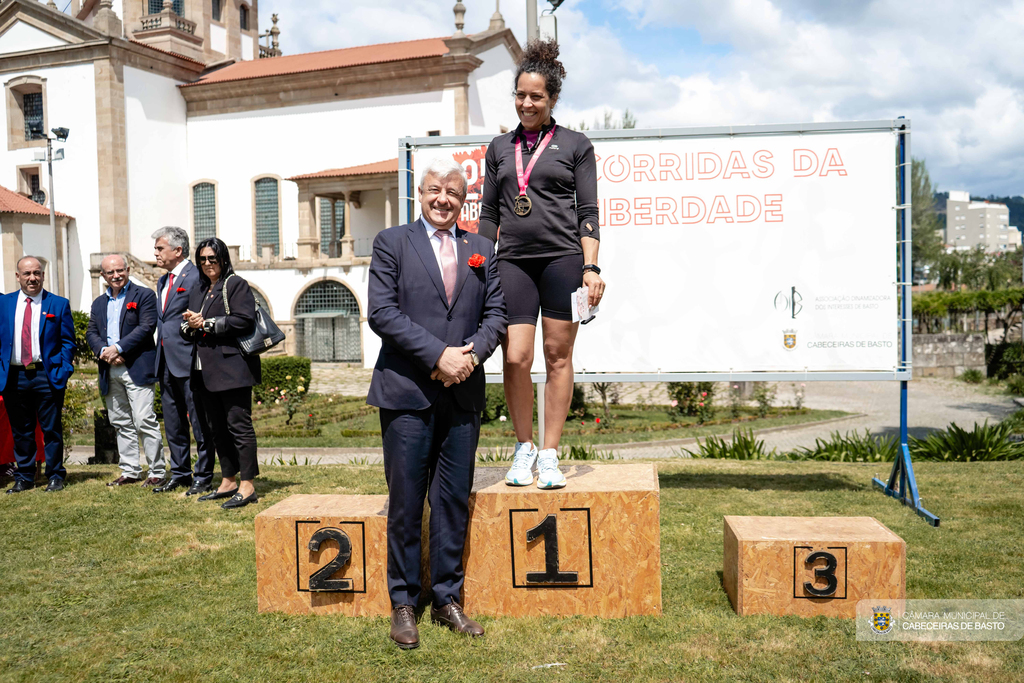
<point x="579" y="304"/>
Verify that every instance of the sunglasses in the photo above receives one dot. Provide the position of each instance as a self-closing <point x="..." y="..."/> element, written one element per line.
<point x="208" y="259"/>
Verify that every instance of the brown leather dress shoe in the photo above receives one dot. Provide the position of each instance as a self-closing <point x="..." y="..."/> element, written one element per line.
<point x="152" y="481"/>
<point x="403" y="627"/>
<point x="123" y="481"/>
<point x="452" y="616"/>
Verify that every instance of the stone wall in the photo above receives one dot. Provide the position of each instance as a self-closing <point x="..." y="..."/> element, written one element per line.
<point x="948" y="355"/>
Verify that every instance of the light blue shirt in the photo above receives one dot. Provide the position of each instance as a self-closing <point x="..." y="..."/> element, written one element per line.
<point x="114" y="306"/>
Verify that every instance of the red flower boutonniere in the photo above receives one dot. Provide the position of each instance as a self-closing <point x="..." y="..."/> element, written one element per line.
<point x="476" y="260"/>
<point x="132" y="306"/>
<point x="181" y="289"/>
<point x="50" y="316"/>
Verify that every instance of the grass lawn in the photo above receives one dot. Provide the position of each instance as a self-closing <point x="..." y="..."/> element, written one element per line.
<point x="100" y="584"/>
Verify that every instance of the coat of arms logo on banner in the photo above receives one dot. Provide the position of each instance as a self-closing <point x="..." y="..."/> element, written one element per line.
<point x="789" y="339"/>
<point x="881" y="621"/>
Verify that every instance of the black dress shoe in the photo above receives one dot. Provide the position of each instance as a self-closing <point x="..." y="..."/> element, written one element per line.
<point x="56" y="484"/>
<point x="238" y="502"/>
<point x="172" y="485"/>
<point x="197" y="488"/>
<point x="20" y="486"/>
<point x="403" y="627"/>
<point x="452" y="616"/>
<point x="217" y="495"/>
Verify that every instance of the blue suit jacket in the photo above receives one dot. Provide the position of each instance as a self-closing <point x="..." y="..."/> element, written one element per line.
<point x="170" y="347"/>
<point x="410" y="313"/>
<point x="136" y="325"/>
<point x="56" y="337"/>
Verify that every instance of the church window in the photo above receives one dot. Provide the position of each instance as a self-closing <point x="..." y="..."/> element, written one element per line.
<point x="268" y="223"/>
<point x="32" y="105"/>
<point x="243" y="17"/>
<point x="327" y="237"/>
<point x="38" y="196"/>
<point x="157" y="6"/>
<point x="216" y="10"/>
<point x="26" y="112"/>
<point x="204" y="211"/>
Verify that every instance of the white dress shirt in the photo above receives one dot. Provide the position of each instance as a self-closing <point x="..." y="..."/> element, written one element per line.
<point x="177" y="274"/>
<point x="435" y="242"/>
<point x="19" y="320"/>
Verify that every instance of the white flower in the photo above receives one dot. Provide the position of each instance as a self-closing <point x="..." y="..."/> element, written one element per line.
<point x="277" y="400"/>
<point x="502" y="418"/>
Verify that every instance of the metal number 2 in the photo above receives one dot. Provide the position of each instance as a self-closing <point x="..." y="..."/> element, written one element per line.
<point x="549" y="530"/>
<point x="321" y="579"/>
<point x="828" y="572"/>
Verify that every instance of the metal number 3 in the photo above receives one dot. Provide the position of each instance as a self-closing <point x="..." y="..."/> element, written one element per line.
<point x="828" y="572"/>
<point x="549" y="530"/>
<point x="321" y="579"/>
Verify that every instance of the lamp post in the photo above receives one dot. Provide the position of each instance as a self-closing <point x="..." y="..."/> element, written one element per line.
<point x="61" y="135"/>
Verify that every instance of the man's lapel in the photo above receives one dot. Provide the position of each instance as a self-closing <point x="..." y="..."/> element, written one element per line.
<point x="128" y="296"/>
<point x="44" y="310"/>
<point x="420" y="242"/>
<point x="462" y="253"/>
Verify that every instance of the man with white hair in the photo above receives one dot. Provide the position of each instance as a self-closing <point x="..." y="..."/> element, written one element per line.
<point x="120" y="334"/>
<point x="435" y="302"/>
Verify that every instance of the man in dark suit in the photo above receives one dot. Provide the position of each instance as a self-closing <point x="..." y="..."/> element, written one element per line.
<point x="37" y="345"/>
<point x="120" y="334"/>
<point x="174" y="365"/>
<point x="435" y="302"/>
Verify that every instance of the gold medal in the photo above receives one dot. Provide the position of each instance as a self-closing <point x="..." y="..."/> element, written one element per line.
<point x="523" y="205"/>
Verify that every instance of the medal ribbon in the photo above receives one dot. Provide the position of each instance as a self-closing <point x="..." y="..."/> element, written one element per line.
<point x="524" y="178"/>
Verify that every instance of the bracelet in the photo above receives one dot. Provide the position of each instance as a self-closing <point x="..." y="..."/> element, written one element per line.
<point x="593" y="267"/>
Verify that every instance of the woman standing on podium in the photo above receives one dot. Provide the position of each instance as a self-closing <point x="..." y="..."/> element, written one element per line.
<point x="541" y="189"/>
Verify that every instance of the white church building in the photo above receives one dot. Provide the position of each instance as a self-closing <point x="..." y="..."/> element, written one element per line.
<point x="180" y="112"/>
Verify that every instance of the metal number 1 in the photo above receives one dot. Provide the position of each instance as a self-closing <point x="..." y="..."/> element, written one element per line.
<point x="828" y="572"/>
<point x="549" y="530"/>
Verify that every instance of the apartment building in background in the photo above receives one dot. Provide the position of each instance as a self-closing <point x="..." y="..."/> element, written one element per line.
<point x="970" y="224"/>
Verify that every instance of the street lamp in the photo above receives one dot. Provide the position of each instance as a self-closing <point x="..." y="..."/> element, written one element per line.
<point x="61" y="135"/>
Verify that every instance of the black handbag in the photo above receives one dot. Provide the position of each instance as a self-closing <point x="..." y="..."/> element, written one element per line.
<point x="265" y="335"/>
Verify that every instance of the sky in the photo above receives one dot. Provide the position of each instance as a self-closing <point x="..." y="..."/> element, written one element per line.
<point x="955" y="68"/>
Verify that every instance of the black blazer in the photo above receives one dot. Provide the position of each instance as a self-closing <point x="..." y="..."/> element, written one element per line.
<point x="138" y="320"/>
<point x="224" y="366"/>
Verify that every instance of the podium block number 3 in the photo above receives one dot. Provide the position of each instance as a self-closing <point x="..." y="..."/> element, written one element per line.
<point x="321" y="580"/>
<point x="551" y="574"/>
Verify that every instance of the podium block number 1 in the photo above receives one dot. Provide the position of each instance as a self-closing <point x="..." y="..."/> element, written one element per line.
<point x="549" y="530"/>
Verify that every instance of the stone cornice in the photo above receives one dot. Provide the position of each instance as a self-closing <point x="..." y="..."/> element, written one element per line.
<point x="131" y="54"/>
<point x="329" y="85"/>
<point x="485" y="41"/>
<point x="55" y="22"/>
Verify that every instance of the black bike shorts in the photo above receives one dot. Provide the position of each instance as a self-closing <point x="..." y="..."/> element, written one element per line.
<point x="540" y="284"/>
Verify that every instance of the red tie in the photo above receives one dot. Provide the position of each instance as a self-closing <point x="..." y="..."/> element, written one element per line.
<point x="449" y="271"/>
<point x="26" y="335"/>
<point x="167" y="294"/>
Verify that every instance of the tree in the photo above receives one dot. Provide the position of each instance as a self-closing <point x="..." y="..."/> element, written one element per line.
<point x="927" y="246"/>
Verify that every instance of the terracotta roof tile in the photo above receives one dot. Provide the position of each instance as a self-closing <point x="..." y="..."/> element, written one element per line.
<point x="329" y="59"/>
<point x="390" y="166"/>
<point x="12" y="202"/>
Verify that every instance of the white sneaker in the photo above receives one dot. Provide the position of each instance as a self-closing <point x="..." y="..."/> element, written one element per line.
<point x="548" y="474"/>
<point x="521" y="472"/>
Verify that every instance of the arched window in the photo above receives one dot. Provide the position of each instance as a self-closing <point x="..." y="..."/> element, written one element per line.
<point x="157" y="6"/>
<point x="204" y="211"/>
<point x="330" y="240"/>
<point x="216" y="10"/>
<point x="268" y="222"/>
<point x="243" y="17"/>
<point x="327" y="317"/>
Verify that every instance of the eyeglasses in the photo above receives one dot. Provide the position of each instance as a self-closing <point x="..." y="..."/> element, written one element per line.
<point x="208" y="259"/>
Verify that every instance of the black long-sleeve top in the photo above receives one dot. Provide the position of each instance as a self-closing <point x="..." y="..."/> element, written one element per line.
<point x="563" y="189"/>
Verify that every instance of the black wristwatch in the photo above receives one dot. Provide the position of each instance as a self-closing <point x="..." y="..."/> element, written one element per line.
<point x="593" y="267"/>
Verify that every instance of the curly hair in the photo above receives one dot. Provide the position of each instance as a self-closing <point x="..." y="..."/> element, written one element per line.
<point x="541" y="57"/>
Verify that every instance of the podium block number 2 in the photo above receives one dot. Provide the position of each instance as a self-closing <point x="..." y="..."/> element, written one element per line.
<point x="321" y="580"/>
<point x="551" y="574"/>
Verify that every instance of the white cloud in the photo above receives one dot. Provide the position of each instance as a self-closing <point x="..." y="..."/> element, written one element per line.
<point x="956" y="69"/>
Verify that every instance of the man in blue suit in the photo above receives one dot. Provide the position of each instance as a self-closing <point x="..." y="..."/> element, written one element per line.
<point x="435" y="302"/>
<point x="37" y="345"/>
<point x="174" y="366"/>
<point x="120" y="334"/>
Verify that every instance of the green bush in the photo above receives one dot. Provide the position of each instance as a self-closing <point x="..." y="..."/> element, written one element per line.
<point x="1004" y="360"/>
<point x="972" y="376"/>
<point x="764" y="394"/>
<point x="1015" y="385"/>
<point x="82" y="350"/>
<point x="76" y="416"/>
<point x="578" y="403"/>
<point x="743" y="446"/>
<point x="495" y="405"/>
<point x="984" y="443"/>
<point x="686" y="398"/>
<point x="1016" y="422"/>
<point x="853" y="447"/>
<point x="286" y="373"/>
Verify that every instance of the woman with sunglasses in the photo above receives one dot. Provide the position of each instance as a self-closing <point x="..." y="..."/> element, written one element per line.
<point x="541" y="189"/>
<point x="223" y="376"/>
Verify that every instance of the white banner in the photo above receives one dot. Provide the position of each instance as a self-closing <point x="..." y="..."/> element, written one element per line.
<point x="772" y="252"/>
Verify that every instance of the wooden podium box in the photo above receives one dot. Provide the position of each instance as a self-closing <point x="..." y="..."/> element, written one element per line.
<point x="323" y="554"/>
<point x="591" y="548"/>
<point x="811" y="566"/>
